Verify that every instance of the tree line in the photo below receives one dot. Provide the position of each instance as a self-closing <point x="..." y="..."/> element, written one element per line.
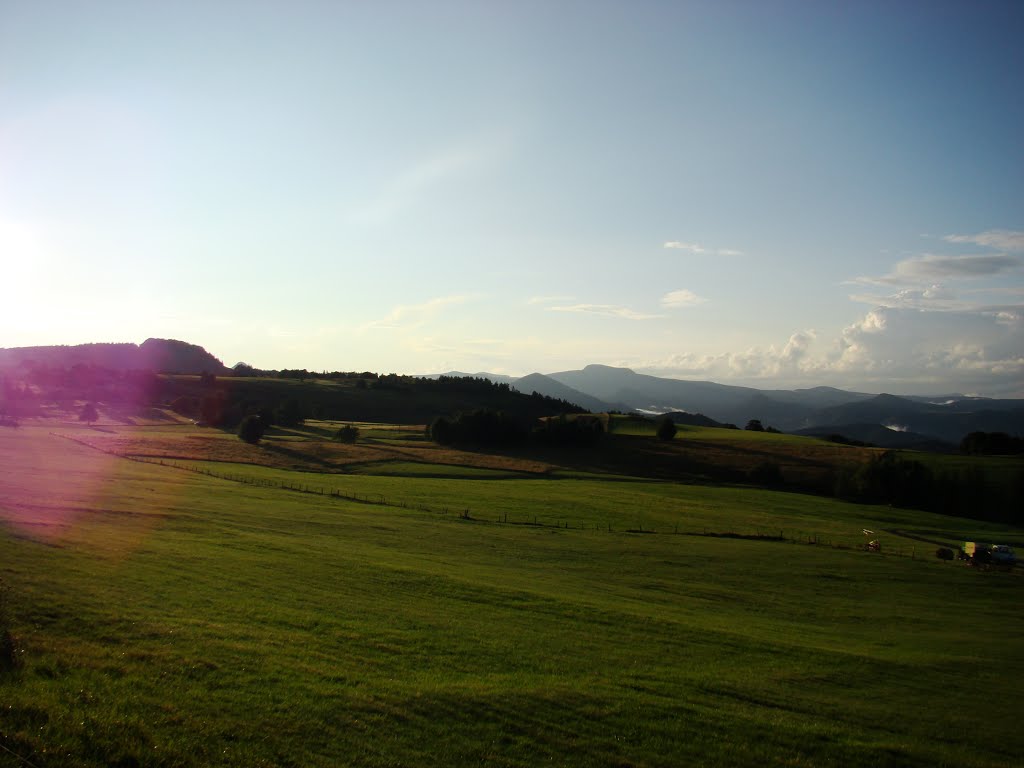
<point x="484" y="427"/>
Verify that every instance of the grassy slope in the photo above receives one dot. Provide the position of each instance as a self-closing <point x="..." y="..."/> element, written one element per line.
<point x="170" y="618"/>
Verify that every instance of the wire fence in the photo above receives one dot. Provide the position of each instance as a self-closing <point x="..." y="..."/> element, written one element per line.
<point x="782" y="535"/>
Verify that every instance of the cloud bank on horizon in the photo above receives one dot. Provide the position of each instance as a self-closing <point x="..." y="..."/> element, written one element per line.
<point x="965" y="332"/>
<point x="684" y="189"/>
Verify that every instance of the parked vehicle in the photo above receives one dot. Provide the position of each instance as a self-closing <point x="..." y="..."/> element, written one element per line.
<point x="980" y="553"/>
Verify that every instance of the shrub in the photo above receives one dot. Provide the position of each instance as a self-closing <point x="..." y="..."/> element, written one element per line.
<point x="88" y="414"/>
<point x="440" y="431"/>
<point x="251" y="429"/>
<point x="666" y="429"/>
<point x="944" y="553"/>
<point x="347" y="434"/>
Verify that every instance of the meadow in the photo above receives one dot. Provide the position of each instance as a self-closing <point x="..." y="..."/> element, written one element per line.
<point x="180" y="598"/>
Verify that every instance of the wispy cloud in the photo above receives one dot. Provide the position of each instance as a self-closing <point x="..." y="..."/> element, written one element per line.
<point x="932" y="297"/>
<point x="414" y="184"/>
<point x="930" y="267"/>
<point x="1000" y="239"/>
<point x="413" y="315"/>
<point x="607" y="310"/>
<point x="697" y="249"/>
<point x="549" y="299"/>
<point x="681" y="298"/>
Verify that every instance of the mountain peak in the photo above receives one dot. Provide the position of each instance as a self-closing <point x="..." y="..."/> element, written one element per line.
<point x="598" y="368"/>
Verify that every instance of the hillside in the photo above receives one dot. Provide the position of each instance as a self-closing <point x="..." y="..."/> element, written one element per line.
<point x="883" y="437"/>
<point x="598" y="388"/>
<point x="157" y="355"/>
<point x="545" y="385"/>
<point x="205" y="603"/>
<point x="946" y="420"/>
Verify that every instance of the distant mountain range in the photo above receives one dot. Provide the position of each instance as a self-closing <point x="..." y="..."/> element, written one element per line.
<point x="886" y="420"/>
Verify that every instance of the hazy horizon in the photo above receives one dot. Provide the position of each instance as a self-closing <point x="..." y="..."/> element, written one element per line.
<point x="776" y="195"/>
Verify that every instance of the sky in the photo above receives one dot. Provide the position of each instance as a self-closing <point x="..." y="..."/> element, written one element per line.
<point x="776" y="194"/>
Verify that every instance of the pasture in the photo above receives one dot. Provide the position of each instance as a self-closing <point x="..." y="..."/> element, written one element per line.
<point x="393" y="603"/>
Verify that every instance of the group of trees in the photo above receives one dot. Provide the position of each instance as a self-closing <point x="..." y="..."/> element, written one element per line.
<point x="891" y="478"/>
<point x="562" y="431"/>
<point x="481" y="426"/>
<point x="220" y="409"/>
<point x="487" y="427"/>
<point x="991" y="444"/>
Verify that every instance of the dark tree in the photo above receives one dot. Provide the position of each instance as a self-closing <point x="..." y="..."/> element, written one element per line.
<point x="251" y="429"/>
<point x="991" y="443"/>
<point x="481" y="426"/>
<point x="211" y="410"/>
<point x="290" y="413"/>
<point x="754" y="425"/>
<point x="440" y="431"/>
<point x="766" y="473"/>
<point x="666" y="429"/>
<point x="88" y="413"/>
<point x="562" y="431"/>
<point x="891" y="479"/>
<point x="347" y="434"/>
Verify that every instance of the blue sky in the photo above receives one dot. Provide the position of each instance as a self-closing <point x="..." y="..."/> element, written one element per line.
<point x="776" y="194"/>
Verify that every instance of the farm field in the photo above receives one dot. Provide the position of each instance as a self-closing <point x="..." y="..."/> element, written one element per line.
<point x="394" y="603"/>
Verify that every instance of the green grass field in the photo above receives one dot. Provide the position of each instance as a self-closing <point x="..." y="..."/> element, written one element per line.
<point x="171" y="618"/>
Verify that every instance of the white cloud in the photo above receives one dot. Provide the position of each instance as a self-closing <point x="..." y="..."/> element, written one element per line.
<point x="549" y="299"/>
<point x="930" y="267"/>
<point x="895" y="349"/>
<point x="607" y="310"/>
<point x="934" y="297"/>
<point x="1000" y="239"/>
<point x="697" y="249"/>
<point x="681" y="298"/>
<point x="413" y="315"/>
<point x="969" y="350"/>
<point x="691" y="247"/>
<point x="792" y="360"/>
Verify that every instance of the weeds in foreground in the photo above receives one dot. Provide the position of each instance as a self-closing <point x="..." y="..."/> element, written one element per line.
<point x="9" y="651"/>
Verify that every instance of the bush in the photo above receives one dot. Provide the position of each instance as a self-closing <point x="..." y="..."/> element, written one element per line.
<point x="440" y="431"/>
<point x="347" y="434"/>
<point x="666" y="429"/>
<point x="251" y="429"/>
<point x="944" y="553"/>
<point x="88" y="414"/>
